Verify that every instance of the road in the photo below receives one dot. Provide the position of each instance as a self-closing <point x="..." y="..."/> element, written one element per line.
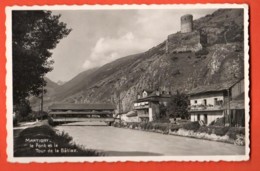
<point x="126" y="142"/>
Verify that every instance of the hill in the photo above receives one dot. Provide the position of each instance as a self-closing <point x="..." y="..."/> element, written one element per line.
<point x="218" y="58"/>
<point x="50" y="88"/>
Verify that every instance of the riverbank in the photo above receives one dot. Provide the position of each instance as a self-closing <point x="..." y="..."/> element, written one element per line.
<point x="113" y="141"/>
<point x="231" y="135"/>
<point x="43" y="140"/>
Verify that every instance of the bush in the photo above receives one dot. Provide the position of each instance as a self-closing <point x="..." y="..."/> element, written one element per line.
<point x="50" y="121"/>
<point x="218" y="122"/>
<point x="205" y="129"/>
<point x="161" y="126"/>
<point x="175" y="127"/>
<point x="233" y="132"/>
<point x="194" y="126"/>
<point x="23" y="108"/>
<point x="221" y="131"/>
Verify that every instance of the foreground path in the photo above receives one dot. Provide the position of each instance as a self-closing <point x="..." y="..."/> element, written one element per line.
<point x="126" y="142"/>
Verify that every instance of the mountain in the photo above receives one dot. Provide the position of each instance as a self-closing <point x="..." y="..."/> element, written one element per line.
<point x="75" y="85"/>
<point x="50" y="85"/>
<point x="50" y="88"/>
<point x="212" y="53"/>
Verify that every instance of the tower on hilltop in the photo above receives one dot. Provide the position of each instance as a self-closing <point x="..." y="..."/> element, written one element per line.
<point x="186" y="23"/>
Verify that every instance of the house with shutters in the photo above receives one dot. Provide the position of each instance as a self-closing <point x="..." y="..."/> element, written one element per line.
<point x="147" y="105"/>
<point x="209" y="103"/>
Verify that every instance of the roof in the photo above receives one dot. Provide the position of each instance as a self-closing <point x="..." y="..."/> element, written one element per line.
<point x="72" y="106"/>
<point x="154" y="98"/>
<point x="147" y="90"/>
<point x="214" y="87"/>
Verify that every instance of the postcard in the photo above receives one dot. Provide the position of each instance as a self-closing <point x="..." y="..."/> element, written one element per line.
<point x="122" y="83"/>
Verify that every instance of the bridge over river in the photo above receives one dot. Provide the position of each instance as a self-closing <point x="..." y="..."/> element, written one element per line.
<point x="126" y="142"/>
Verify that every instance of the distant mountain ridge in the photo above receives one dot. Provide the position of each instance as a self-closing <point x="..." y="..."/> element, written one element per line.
<point x="221" y="59"/>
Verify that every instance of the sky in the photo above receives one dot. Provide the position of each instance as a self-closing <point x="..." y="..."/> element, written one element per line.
<point x="102" y="36"/>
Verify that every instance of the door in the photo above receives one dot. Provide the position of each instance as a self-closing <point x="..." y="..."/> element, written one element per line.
<point x="198" y="117"/>
<point x="206" y="119"/>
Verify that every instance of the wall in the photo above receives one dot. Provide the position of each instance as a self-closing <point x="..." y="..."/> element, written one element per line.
<point x="211" y="116"/>
<point x="238" y="89"/>
<point x="129" y="119"/>
<point x="209" y="97"/>
<point x="150" y="114"/>
<point x="155" y="109"/>
<point x="183" y="42"/>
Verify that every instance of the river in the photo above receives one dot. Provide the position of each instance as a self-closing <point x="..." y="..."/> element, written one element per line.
<point x="126" y="142"/>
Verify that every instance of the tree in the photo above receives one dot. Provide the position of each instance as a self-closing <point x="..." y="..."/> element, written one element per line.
<point x="23" y="108"/>
<point x="163" y="111"/>
<point x="178" y="106"/>
<point x="34" y="34"/>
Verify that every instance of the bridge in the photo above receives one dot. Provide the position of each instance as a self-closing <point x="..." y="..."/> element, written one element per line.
<point x="67" y="113"/>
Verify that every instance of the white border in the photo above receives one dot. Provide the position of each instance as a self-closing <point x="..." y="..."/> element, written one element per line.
<point x="9" y="84"/>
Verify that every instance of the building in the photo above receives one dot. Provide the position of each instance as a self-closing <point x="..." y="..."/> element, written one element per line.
<point x="237" y="104"/>
<point x="147" y="105"/>
<point x="81" y="112"/>
<point x="128" y="117"/>
<point x="186" y="23"/>
<point x="187" y="40"/>
<point x="208" y="103"/>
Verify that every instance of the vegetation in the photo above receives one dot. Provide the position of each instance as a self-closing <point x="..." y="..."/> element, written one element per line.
<point x="28" y="115"/>
<point x="58" y="141"/>
<point x="201" y="52"/>
<point x="190" y="129"/>
<point x="146" y="126"/>
<point x="23" y="109"/>
<point x="163" y="112"/>
<point x="34" y="34"/>
<point x="178" y="106"/>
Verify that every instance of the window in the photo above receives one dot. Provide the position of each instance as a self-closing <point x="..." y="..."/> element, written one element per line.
<point x="198" y="117"/>
<point x="215" y="101"/>
<point x="144" y="94"/>
<point x="195" y="101"/>
<point x="205" y="102"/>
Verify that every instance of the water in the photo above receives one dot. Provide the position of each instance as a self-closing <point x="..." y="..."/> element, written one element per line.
<point x="126" y="142"/>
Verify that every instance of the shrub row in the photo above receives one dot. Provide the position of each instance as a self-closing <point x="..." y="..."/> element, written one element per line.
<point x="232" y="132"/>
<point x="147" y="126"/>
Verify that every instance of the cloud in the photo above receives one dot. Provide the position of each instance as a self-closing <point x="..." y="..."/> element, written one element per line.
<point x="101" y="36"/>
<point x="109" y="49"/>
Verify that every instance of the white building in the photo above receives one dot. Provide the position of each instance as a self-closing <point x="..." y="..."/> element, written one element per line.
<point x="147" y="105"/>
<point x="207" y="103"/>
<point x="129" y="117"/>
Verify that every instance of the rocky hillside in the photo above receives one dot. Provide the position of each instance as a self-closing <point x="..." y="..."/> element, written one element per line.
<point x="221" y="59"/>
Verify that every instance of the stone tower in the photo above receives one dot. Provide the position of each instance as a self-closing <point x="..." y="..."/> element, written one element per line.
<point x="186" y="23"/>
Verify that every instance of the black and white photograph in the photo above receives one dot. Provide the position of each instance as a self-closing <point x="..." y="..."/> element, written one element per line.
<point x="128" y="83"/>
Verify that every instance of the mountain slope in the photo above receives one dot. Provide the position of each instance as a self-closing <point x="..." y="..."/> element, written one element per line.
<point x="50" y="88"/>
<point x="118" y="82"/>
